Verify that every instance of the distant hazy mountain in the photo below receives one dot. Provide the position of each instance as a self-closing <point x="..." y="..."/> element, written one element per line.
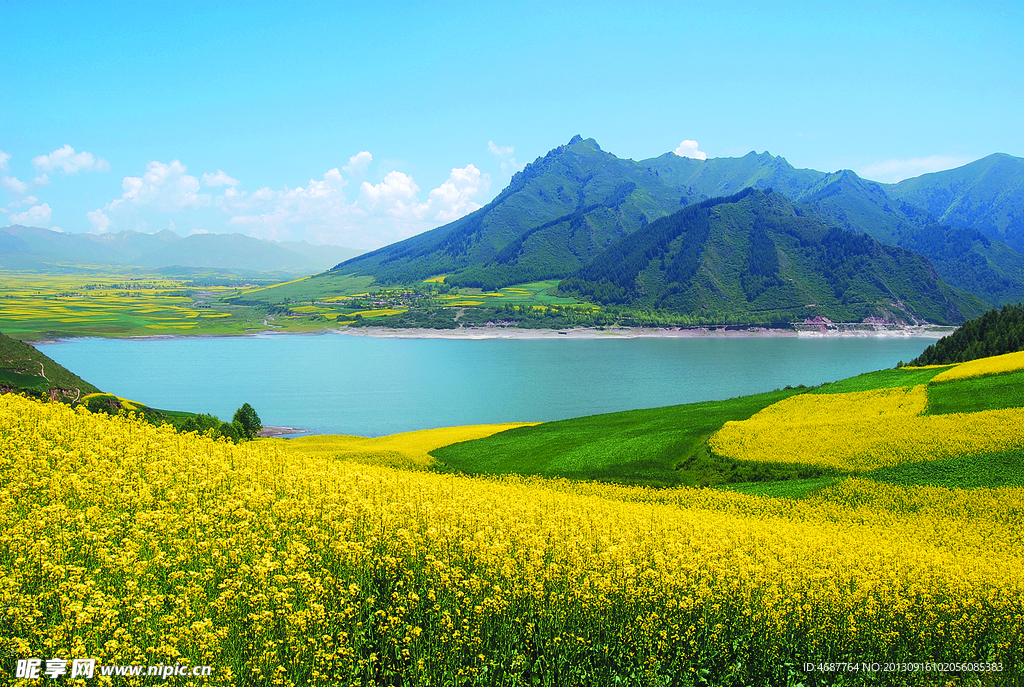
<point x="987" y="195"/>
<point x="562" y="210"/>
<point x="34" y="248"/>
<point x="755" y="253"/>
<point x="324" y="256"/>
<point x="965" y="258"/>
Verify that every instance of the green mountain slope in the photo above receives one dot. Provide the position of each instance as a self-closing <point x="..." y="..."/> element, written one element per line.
<point x="24" y="369"/>
<point x="726" y="175"/>
<point x="555" y="215"/>
<point x="564" y="209"/>
<point x="964" y="258"/>
<point x="561" y="211"/>
<point x="754" y="256"/>
<point x="987" y="195"/>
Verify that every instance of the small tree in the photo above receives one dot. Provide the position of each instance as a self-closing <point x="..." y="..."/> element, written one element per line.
<point x="247" y="421"/>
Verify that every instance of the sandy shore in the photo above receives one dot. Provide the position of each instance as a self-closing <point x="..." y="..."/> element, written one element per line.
<point x="856" y="330"/>
<point x="834" y="330"/>
<point x="272" y="431"/>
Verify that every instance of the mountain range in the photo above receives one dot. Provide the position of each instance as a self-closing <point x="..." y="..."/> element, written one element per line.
<point x="562" y="211"/>
<point x="34" y="248"/>
<point x="757" y="257"/>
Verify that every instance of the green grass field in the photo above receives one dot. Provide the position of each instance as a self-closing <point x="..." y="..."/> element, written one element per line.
<point x="109" y="303"/>
<point x="657" y="447"/>
<point x="881" y="379"/>
<point x="977" y="393"/>
<point x="668" y="446"/>
<point x="990" y="470"/>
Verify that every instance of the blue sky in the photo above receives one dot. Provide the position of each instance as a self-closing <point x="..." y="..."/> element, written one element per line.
<point x="359" y="124"/>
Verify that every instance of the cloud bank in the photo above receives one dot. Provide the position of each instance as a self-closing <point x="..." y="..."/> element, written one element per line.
<point x="70" y="162"/>
<point x="689" y="149"/>
<point x="338" y="208"/>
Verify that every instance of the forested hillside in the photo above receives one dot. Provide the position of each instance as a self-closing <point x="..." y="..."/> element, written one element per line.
<point x="987" y="195"/>
<point x="554" y="216"/>
<point x="994" y="333"/>
<point x="964" y="257"/>
<point x="565" y="209"/>
<point x="754" y="256"/>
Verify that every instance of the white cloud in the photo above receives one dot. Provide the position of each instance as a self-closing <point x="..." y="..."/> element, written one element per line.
<point x="219" y="179"/>
<point x="509" y="165"/>
<point x="389" y="210"/>
<point x="396" y="195"/>
<point x="35" y="216"/>
<point x="894" y="169"/>
<point x="688" y="148"/>
<point x="358" y="163"/>
<point x="70" y="162"/>
<point x="100" y="222"/>
<point x="41" y="180"/>
<point x="4" y="157"/>
<point x="266" y="211"/>
<point x="164" y="186"/>
<point x="453" y="199"/>
<point x="500" y="151"/>
<point x="14" y="186"/>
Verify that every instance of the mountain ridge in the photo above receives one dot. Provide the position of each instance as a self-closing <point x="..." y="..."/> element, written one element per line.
<point x="565" y="207"/>
<point x="24" y="247"/>
<point x="757" y="255"/>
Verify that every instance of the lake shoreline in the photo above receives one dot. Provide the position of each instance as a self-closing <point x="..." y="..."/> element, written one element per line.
<point x="832" y="329"/>
<point x="367" y="386"/>
<point x="857" y="330"/>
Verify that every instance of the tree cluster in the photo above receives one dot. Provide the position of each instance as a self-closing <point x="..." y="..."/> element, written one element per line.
<point x="245" y="425"/>
<point x="994" y="333"/>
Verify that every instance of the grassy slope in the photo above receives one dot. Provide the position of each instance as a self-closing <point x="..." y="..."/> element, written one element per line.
<point x="23" y="367"/>
<point x="977" y="393"/>
<point x="658" y="446"/>
<point x="881" y="379"/>
<point x="989" y="470"/>
<point x="666" y="446"/>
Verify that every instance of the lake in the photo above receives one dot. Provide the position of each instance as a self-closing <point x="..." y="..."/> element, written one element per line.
<point x="338" y="384"/>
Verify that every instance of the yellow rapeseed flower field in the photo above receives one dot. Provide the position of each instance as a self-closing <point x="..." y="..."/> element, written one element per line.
<point x="865" y="430"/>
<point x="1008" y="362"/>
<point x="132" y="544"/>
<point x="405" y="450"/>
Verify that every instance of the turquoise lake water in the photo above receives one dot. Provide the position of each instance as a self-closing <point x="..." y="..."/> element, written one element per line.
<point x="339" y="384"/>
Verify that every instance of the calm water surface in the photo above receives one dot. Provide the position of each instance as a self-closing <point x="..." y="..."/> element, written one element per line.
<point x="367" y="386"/>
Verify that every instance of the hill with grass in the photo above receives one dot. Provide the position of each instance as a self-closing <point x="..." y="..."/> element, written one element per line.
<point x="995" y="333"/>
<point x="963" y="257"/>
<point x="755" y="256"/>
<point x="23" y="369"/>
<point x="554" y="217"/>
<point x="986" y="195"/>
